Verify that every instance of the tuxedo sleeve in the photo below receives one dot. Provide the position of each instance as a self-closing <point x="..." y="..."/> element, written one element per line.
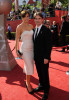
<point x="62" y="28"/>
<point x="47" y="44"/>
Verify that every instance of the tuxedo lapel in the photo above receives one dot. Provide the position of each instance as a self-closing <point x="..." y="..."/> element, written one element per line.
<point x="33" y="34"/>
<point x="40" y="32"/>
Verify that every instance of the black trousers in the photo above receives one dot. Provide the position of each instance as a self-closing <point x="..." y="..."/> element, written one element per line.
<point x="55" y="39"/>
<point x="43" y="74"/>
<point x="63" y="40"/>
<point x="9" y="35"/>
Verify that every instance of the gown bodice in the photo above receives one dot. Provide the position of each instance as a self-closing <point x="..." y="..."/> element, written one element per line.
<point x="27" y="42"/>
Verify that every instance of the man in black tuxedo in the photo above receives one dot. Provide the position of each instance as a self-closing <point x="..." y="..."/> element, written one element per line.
<point x="64" y="31"/>
<point x="42" y="54"/>
<point x="54" y="30"/>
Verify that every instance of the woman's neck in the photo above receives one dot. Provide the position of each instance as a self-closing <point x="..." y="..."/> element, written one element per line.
<point x="25" y="24"/>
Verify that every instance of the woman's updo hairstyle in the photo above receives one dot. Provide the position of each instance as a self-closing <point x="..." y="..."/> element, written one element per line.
<point x="24" y="12"/>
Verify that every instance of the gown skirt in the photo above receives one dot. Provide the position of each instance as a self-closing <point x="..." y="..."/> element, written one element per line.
<point x="27" y="50"/>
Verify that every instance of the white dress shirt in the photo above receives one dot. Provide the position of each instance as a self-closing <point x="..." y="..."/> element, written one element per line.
<point x="38" y="30"/>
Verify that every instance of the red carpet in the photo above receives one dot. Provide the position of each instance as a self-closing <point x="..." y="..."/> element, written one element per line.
<point x="12" y="83"/>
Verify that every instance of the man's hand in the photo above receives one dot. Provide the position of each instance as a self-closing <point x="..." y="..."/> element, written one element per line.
<point x="46" y="61"/>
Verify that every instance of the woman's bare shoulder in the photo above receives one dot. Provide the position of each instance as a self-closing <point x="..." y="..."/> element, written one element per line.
<point x="19" y="26"/>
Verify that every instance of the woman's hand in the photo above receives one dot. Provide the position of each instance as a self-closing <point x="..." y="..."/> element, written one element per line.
<point x="18" y="54"/>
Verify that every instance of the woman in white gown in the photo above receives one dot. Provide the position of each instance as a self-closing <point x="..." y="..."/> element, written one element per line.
<point x="25" y="31"/>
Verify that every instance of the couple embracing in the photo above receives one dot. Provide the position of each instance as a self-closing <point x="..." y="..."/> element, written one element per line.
<point x="36" y="44"/>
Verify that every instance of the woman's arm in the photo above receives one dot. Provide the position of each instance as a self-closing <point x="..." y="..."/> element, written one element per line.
<point x="18" y="33"/>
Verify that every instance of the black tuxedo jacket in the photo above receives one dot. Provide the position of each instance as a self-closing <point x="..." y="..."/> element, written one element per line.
<point x="64" y="28"/>
<point x="42" y="44"/>
<point x="55" y="29"/>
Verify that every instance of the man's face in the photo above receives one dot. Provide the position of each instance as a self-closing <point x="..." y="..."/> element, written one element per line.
<point x="54" y="23"/>
<point x="38" y="20"/>
<point x="62" y="19"/>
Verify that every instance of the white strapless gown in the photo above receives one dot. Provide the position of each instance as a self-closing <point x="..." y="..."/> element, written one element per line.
<point x="27" y="50"/>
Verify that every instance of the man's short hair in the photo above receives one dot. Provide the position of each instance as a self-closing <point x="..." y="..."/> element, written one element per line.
<point x="39" y="14"/>
<point x="64" y="17"/>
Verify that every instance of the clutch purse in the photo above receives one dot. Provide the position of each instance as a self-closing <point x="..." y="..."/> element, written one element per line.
<point x="20" y="53"/>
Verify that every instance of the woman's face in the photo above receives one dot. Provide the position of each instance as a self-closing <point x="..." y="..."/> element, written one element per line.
<point x="26" y="18"/>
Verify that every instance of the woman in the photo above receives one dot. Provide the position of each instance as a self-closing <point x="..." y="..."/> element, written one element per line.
<point x="25" y="31"/>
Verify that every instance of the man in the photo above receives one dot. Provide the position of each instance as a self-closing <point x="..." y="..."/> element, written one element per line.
<point x="47" y="23"/>
<point x="54" y="30"/>
<point x="64" y="31"/>
<point x="42" y="51"/>
<point x="34" y="8"/>
<point x="58" y="5"/>
<point x="9" y="31"/>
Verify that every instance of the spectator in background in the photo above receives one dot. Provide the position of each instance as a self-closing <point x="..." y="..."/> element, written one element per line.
<point x="64" y="31"/>
<point x="47" y="23"/>
<point x="9" y="31"/>
<point x="51" y="9"/>
<point x="11" y="13"/>
<point x="54" y="30"/>
<point x="58" y="5"/>
<point x="43" y="13"/>
<point x="34" y="9"/>
<point x="42" y="8"/>
<point x="32" y="13"/>
<point x="68" y="29"/>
